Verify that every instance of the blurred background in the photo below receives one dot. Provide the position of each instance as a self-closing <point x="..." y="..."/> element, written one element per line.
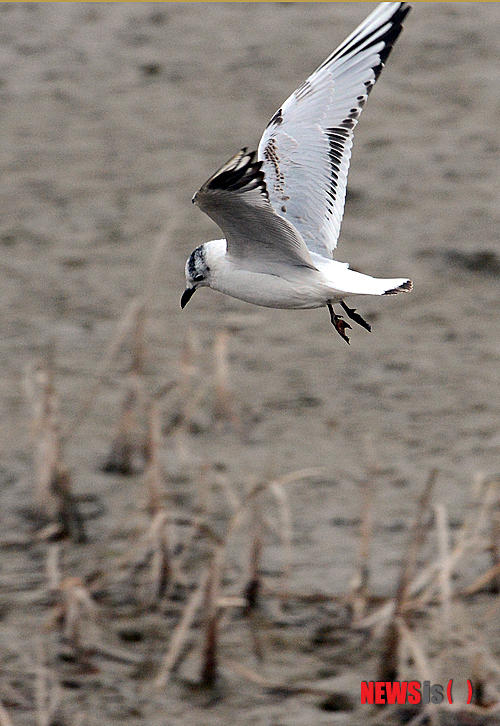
<point x="112" y="116"/>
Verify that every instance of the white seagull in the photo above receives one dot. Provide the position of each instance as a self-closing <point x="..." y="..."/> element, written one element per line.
<point x="281" y="208"/>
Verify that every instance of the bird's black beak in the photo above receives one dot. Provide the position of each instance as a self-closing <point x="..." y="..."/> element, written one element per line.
<point x="187" y="295"/>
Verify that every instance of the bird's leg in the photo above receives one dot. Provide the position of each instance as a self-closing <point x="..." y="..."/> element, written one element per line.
<point x="351" y="312"/>
<point x="338" y="322"/>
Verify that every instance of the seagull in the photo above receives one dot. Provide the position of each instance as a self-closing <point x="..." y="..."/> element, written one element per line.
<point x="280" y="207"/>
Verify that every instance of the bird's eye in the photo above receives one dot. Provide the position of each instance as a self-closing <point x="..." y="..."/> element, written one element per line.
<point x="197" y="278"/>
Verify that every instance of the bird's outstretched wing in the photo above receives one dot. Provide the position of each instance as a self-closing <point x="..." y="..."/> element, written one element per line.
<point x="306" y="147"/>
<point x="236" y="198"/>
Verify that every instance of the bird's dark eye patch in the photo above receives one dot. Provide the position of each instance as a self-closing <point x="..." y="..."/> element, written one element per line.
<point x="197" y="278"/>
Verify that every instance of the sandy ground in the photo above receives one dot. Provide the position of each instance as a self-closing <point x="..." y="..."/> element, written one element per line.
<point x="112" y="115"/>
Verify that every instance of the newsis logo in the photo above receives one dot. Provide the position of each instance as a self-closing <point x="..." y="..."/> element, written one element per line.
<point x="392" y="692"/>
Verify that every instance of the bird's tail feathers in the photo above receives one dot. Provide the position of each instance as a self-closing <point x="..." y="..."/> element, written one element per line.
<point x="356" y="283"/>
<point x="403" y="286"/>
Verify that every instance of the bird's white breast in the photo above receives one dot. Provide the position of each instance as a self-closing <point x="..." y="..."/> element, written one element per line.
<point x="284" y="286"/>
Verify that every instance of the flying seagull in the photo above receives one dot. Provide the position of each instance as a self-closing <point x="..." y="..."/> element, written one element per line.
<point x="280" y="208"/>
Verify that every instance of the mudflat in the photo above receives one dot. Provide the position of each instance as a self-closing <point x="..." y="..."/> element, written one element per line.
<point x="112" y="116"/>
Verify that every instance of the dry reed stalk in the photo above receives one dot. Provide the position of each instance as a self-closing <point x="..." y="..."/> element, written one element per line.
<point x="114" y="654"/>
<point x="53" y="568"/>
<point x="389" y="659"/>
<point x="295" y="476"/>
<point x="125" y="325"/>
<point x="47" y="690"/>
<point x="188" y="369"/>
<point x="388" y="666"/>
<point x="420" y="596"/>
<point x="133" y="319"/>
<point x="182" y="445"/>
<point x="468" y="541"/>
<point x="495" y="543"/>
<point x="224" y="407"/>
<point x="69" y="518"/>
<point x="277" y="487"/>
<point x="181" y="631"/>
<point x="48" y="697"/>
<point x="226" y="602"/>
<point x="311" y="598"/>
<point x="445" y="564"/>
<point x="413" y="646"/>
<point x="482" y="581"/>
<point x="190" y="395"/>
<point x="371" y="451"/>
<point x="479" y="683"/>
<point x="416" y="538"/>
<point x="252" y="500"/>
<point x="239" y="514"/>
<point x="162" y="569"/>
<point x="469" y="538"/>
<point x="477" y="641"/>
<point x="223" y="482"/>
<point x="52" y="481"/>
<point x="153" y="473"/>
<point x="253" y="587"/>
<point x="199" y="525"/>
<point x="278" y="688"/>
<point x="76" y="604"/>
<point x="278" y="490"/>
<point x="249" y="674"/>
<point x="202" y="487"/>
<point x="422" y="665"/>
<point x="179" y="561"/>
<point x="120" y="459"/>
<point x="360" y="586"/>
<point x="158" y="254"/>
<point x="209" y="669"/>
<point x="192" y="404"/>
<point x="208" y="591"/>
<point x="153" y="551"/>
<point x="138" y="346"/>
<point x="46" y="429"/>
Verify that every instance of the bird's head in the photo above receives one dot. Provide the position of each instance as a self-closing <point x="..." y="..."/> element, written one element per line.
<point x="197" y="273"/>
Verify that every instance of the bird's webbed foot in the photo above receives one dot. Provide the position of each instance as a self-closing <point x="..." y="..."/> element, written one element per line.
<point x="351" y="312"/>
<point x="338" y="323"/>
